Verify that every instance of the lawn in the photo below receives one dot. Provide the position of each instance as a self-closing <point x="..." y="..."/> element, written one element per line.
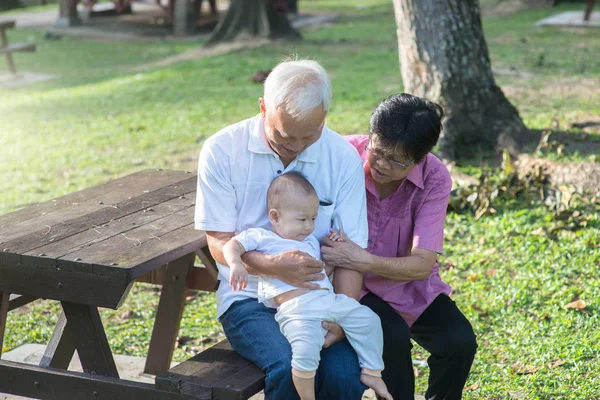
<point x="109" y="114"/>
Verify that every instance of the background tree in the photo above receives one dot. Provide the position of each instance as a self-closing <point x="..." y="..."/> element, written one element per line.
<point x="9" y="4"/>
<point x="259" y="18"/>
<point x="444" y="57"/>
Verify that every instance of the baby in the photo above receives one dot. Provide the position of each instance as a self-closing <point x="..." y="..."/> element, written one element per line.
<point x="293" y="204"/>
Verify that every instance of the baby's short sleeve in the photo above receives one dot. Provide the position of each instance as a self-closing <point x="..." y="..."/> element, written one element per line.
<point x="250" y="238"/>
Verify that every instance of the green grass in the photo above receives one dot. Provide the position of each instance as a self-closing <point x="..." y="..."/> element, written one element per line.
<point x="107" y="116"/>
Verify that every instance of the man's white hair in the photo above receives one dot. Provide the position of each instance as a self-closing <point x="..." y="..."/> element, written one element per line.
<point x="298" y="87"/>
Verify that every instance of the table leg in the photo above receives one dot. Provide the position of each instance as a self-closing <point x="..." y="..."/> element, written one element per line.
<point x="4" y="300"/>
<point x="87" y="331"/>
<point x="60" y="349"/>
<point x="168" y="315"/>
<point x="588" y="10"/>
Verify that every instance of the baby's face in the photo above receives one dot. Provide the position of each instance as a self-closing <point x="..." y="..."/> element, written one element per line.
<point x="296" y="218"/>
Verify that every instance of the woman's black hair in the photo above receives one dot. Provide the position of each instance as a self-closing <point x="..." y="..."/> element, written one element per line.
<point x="406" y="126"/>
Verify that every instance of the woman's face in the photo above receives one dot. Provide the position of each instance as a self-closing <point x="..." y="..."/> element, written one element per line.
<point x="386" y="168"/>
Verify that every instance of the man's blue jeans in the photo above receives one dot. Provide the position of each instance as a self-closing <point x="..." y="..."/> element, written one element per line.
<point x="253" y="332"/>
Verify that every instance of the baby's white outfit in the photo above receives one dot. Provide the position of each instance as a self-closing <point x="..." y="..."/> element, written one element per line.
<point x="300" y="318"/>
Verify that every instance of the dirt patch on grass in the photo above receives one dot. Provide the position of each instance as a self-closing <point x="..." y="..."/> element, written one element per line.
<point x="560" y="87"/>
<point x="508" y="7"/>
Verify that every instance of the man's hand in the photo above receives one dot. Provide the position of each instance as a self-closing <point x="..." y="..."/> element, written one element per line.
<point x="334" y="334"/>
<point x="297" y="268"/>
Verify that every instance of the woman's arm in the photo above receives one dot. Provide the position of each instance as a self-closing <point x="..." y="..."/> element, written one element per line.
<point x="350" y="256"/>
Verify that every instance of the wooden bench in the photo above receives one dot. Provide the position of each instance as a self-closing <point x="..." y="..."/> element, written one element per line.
<point x="7" y="49"/>
<point x="216" y="373"/>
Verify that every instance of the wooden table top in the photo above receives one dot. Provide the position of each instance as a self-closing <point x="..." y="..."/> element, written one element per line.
<point x="99" y="239"/>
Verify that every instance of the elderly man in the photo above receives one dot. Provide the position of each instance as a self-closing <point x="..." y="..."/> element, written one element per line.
<point x="235" y="169"/>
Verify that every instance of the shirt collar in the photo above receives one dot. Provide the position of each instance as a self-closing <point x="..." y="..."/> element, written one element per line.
<point x="416" y="175"/>
<point x="258" y="143"/>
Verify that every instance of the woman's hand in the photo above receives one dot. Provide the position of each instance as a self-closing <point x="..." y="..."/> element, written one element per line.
<point x="334" y="334"/>
<point x="345" y="254"/>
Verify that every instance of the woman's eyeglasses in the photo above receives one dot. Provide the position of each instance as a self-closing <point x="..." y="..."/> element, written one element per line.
<point x="393" y="162"/>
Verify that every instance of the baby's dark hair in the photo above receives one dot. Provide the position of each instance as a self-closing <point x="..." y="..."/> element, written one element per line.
<point x="407" y="125"/>
<point x="284" y="184"/>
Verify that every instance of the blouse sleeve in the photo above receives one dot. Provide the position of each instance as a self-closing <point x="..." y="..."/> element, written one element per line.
<point x="428" y="232"/>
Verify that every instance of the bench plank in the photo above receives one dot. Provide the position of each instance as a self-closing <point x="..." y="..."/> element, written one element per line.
<point x="51" y="384"/>
<point x="216" y="373"/>
<point x="17" y="47"/>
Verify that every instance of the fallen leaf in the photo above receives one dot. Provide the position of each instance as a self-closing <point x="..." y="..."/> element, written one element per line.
<point x="447" y="266"/>
<point x="479" y="310"/>
<point x="539" y="232"/>
<point x="472" y="387"/>
<point x="578" y="304"/>
<point x="416" y="372"/>
<point x="492" y="271"/>
<point x="528" y="370"/>
<point x="472" y="277"/>
<point x="126" y="316"/>
<point x="557" y="363"/>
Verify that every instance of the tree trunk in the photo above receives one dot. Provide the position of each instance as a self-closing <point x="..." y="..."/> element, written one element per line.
<point x="9" y="4"/>
<point x="444" y="57"/>
<point x="257" y="18"/>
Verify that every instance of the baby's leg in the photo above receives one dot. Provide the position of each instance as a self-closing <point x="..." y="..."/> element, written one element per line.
<point x="306" y="338"/>
<point x="363" y="330"/>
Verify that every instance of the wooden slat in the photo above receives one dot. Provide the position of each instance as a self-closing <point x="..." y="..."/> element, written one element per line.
<point x="18" y="300"/>
<point x="61" y="347"/>
<point x="199" y="278"/>
<point x="71" y="226"/>
<point x="26" y="220"/>
<point x="55" y="284"/>
<point x="107" y="252"/>
<point x="4" y="301"/>
<point x="150" y="255"/>
<point x="85" y="327"/>
<point x="17" y="48"/>
<point x="7" y="24"/>
<point x="218" y="372"/>
<point x="95" y="234"/>
<point x="50" y="384"/>
<point x="168" y="315"/>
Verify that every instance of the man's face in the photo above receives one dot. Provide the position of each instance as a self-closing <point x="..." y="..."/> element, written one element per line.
<point x="287" y="137"/>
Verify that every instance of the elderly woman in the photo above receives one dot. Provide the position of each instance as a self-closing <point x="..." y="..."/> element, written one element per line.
<point x="407" y="195"/>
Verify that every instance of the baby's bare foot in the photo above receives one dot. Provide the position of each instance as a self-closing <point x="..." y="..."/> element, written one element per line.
<point x="377" y="385"/>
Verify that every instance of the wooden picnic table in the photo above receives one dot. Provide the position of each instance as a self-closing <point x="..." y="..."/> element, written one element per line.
<point x="86" y="250"/>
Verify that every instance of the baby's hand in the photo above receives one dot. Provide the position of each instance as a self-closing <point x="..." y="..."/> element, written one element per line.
<point x="334" y="236"/>
<point x="238" y="279"/>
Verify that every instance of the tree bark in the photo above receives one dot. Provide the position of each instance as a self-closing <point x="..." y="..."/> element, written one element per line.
<point x="257" y="18"/>
<point x="9" y="4"/>
<point x="444" y="57"/>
